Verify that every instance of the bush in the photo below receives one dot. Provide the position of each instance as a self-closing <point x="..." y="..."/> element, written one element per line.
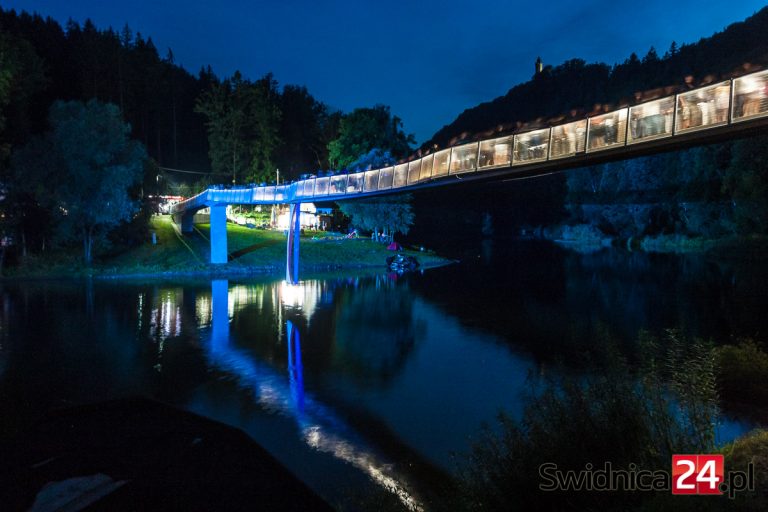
<point x="743" y="372"/>
<point x="617" y="414"/>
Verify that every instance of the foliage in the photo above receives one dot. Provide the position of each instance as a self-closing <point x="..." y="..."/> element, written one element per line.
<point x="575" y="87"/>
<point x="372" y="138"/>
<point x="242" y="120"/>
<point x="82" y="171"/>
<point x="616" y="414"/>
<point x="22" y="76"/>
<point x="365" y="129"/>
<point x="306" y="128"/>
<point x="743" y="372"/>
<point x="746" y="183"/>
<point x="751" y="448"/>
<point x="710" y="191"/>
<point x="392" y="214"/>
<point x="374" y="159"/>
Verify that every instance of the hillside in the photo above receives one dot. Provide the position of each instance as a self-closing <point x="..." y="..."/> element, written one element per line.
<point x="575" y="88"/>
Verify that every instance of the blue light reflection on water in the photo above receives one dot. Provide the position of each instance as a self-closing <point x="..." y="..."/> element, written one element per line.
<point x="450" y="374"/>
<point x="430" y="390"/>
<point x="350" y="380"/>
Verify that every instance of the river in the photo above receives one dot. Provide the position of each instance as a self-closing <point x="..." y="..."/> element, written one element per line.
<point x="361" y="381"/>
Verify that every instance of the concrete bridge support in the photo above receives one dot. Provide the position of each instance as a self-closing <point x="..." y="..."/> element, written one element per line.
<point x="186" y="222"/>
<point x="219" y="314"/>
<point x="292" y="247"/>
<point x="218" y="234"/>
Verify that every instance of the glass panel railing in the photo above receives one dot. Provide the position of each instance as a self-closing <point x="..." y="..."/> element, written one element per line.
<point x="750" y="96"/>
<point x="371" y="180"/>
<point x="426" y="167"/>
<point x="338" y="184"/>
<point x="300" y="188"/>
<point x="607" y="130"/>
<point x="651" y="120"/>
<point x="401" y="176"/>
<point x="385" y="177"/>
<point x="440" y="165"/>
<point x="355" y="183"/>
<point x="495" y="153"/>
<point x="703" y="108"/>
<point x="322" y="185"/>
<point x="568" y="139"/>
<point x="464" y="158"/>
<point x="414" y="169"/>
<point x="531" y="146"/>
<point x="309" y="187"/>
<point x="259" y="194"/>
<point x="280" y="193"/>
<point x="269" y="193"/>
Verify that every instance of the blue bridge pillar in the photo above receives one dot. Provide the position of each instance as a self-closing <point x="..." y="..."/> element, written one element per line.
<point x="295" y="370"/>
<point x="186" y="222"/>
<point x="219" y="234"/>
<point x="219" y="314"/>
<point x="292" y="247"/>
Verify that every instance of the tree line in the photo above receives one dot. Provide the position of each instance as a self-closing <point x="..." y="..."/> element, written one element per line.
<point x="235" y="129"/>
<point x="231" y="129"/>
<point x="710" y="191"/>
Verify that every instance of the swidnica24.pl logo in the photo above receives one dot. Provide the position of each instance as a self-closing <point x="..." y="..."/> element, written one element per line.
<point x="690" y="474"/>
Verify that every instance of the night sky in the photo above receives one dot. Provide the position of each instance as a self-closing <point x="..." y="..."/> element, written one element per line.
<point x="427" y="60"/>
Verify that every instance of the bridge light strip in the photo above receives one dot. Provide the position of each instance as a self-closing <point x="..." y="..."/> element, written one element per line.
<point x="725" y="103"/>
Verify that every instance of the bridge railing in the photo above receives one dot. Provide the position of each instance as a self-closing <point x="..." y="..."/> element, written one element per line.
<point x="731" y="101"/>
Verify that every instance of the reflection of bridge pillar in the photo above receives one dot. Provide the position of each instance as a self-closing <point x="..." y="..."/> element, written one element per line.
<point x="219" y="313"/>
<point x="295" y="369"/>
<point x="292" y="247"/>
<point x="186" y="222"/>
<point x="219" y="234"/>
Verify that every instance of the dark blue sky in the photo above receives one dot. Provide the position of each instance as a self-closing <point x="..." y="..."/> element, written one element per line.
<point x="427" y="60"/>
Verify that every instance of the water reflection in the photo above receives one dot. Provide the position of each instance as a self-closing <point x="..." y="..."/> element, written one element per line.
<point x="359" y="379"/>
<point x="295" y="370"/>
<point x="320" y="427"/>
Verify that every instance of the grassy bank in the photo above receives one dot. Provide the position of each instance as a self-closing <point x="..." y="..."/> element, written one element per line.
<point x="250" y="251"/>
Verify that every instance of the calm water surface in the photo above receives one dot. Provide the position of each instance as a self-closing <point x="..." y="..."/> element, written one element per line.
<point x="361" y="381"/>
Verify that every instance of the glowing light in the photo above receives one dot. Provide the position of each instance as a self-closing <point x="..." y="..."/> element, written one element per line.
<point x="276" y="393"/>
<point x="292" y="294"/>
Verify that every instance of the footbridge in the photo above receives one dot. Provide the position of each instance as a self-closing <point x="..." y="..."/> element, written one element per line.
<point x="715" y="112"/>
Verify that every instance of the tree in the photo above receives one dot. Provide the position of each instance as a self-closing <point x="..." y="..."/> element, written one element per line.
<point x="746" y="184"/>
<point x="373" y="138"/>
<point x="392" y="214"/>
<point x="265" y="123"/>
<point x="6" y="76"/>
<point x="365" y="129"/>
<point x="242" y="120"/>
<point x="21" y="77"/>
<point x="82" y="171"/>
<point x="303" y="146"/>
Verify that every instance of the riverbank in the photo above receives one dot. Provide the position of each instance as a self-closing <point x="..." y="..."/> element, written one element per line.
<point x="139" y="454"/>
<point x="251" y="251"/>
<point x="585" y="237"/>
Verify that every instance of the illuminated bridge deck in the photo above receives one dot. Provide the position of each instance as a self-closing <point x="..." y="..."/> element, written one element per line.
<point x="715" y="112"/>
